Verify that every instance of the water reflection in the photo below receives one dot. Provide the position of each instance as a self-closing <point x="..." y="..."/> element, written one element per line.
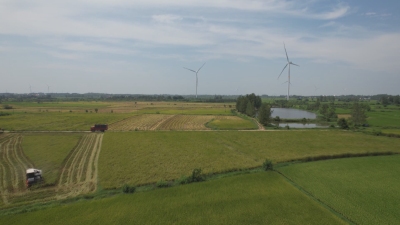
<point x="301" y="125"/>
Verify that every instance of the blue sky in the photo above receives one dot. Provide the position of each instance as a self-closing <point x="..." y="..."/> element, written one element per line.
<point x="141" y="47"/>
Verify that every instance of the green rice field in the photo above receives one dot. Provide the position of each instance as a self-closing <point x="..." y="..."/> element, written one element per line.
<point x="365" y="189"/>
<point x="232" y="125"/>
<point x="146" y="157"/>
<point x="262" y="198"/>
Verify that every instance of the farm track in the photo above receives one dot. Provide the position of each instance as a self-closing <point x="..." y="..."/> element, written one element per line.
<point x="79" y="174"/>
<point x="13" y="164"/>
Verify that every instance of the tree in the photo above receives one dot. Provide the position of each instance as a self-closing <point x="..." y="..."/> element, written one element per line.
<point x="96" y="109"/>
<point x="384" y="101"/>
<point x="264" y="114"/>
<point x="324" y="111"/>
<point x="332" y="111"/>
<point x="317" y="104"/>
<point x="342" y="123"/>
<point x="358" y="115"/>
<point x="250" y="111"/>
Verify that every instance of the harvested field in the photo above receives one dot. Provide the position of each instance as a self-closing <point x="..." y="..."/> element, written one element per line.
<point x="141" y="122"/>
<point x="78" y="172"/>
<point x="13" y="164"/>
<point x="346" y="116"/>
<point x="191" y="122"/>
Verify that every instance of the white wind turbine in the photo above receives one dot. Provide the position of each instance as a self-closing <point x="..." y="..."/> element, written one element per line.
<point x="288" y="63"/>
<point x="30" y="88"/>
<point x="48" y="88"/>
<point x="197" y="81"/>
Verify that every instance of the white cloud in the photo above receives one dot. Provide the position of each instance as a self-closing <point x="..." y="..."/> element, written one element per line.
<point x="166" y="18"/>
<point x="370" y="13"/>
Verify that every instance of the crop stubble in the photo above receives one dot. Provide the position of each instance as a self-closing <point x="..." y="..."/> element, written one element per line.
<point x="78" y="175"/>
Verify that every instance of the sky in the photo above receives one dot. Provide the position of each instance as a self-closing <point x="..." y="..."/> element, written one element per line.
<point x="142" y="47"/>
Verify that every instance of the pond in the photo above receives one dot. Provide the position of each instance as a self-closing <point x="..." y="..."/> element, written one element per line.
<point x="284" y="113"/>
<point x="301" y="125"/>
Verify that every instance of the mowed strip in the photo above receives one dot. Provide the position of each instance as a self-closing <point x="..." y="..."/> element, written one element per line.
<point x="140" y="122"/>
<point x="146" y="157"/>
<point x="13" y="164"/>
<point x="191" y="122"/>
<point x="262" y="198"/>
<point x="79" y="175"/>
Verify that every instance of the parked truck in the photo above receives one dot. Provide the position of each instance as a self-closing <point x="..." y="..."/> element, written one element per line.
<point x="99" y="127"/>
<point x="33" y="176"/>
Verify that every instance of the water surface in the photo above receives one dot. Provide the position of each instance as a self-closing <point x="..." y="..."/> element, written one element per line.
<point x="284" y="113"/>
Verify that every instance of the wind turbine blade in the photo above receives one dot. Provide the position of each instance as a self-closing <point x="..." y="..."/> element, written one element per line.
<point x="282" y="71"/>
<point x="295" y="64"/>
<point x="285" y="51"/>
<point x="200" y="67"/>
<point x="284" y="82"/>
<point x="189" y="69"/>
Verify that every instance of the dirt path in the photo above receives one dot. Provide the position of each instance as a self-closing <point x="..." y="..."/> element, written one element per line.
<point x="260" y="127"/>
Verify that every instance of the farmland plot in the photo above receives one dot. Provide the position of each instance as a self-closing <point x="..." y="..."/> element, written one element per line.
<point x="141" y="122"/>
<point x="13" y="164"/>
<point x="78" y="173"/>
<point x="191" y="122"/>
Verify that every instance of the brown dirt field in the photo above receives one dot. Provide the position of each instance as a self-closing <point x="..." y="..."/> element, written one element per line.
<point x="346" y="116"/>
<point x="141" y="122"/>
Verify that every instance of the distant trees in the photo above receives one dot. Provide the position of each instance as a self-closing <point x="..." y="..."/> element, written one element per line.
<point x="248" y="104"/>
<point x="328" y="112"/>
<point x="264" y="114"/>
<point x="358" y="115"/>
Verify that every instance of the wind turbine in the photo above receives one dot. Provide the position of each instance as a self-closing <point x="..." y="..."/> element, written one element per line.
<point x="288" y="63"/>
<point x="197" y="81"/>
<point x="30" y="88"/>
<point x="48" y="88"/>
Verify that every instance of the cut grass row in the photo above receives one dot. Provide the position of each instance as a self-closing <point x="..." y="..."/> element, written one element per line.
<point x="365" y="189"/>
<point x="263" y="198"/>
<point x="151" y="156"/>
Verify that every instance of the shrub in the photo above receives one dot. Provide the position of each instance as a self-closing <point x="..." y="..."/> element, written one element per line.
<point x="377" y="133"/>
<point x="86" y="110"/>
<point x="7" y="107"/>
<point x="182" y="180"/>
<point x="128" y="189"/>
<point x="332" y="126"/>
<point x="162" y="183"/>
<point x="342" y="123"/>
<point x="196" y="176"/>
<point x="287" y="127"/>
<point x="277" y="119"/>
<point x="267" y="165"/>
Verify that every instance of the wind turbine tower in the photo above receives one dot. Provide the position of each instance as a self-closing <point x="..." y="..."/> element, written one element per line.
<point x="48" y="88"/>
<point x="197" y="81"/>
<point x="288" y="63"/>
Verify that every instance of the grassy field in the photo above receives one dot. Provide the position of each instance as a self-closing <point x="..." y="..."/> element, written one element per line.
<point x="363" y="189"/>
<point x="48" y="151"/>
<point x="19" y="105"/>
<point x="58" y="121"/>
<point x="263" y="198"/>
<point x="146" y="157"/>
<point x="223" y="124"/>
<point x="384" y="118"/>
<point x="392" y="131"/>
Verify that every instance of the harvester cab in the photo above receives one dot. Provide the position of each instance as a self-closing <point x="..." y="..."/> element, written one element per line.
<point x="33" y="176"/>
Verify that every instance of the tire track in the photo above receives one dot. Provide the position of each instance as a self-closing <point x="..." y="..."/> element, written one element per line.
<point x="81" y="173"/>
<point x="66" y="169"/>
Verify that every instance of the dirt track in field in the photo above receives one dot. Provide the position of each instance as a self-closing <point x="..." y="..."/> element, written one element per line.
<point x="13" y="164"/>
<point x="78" y="175"/>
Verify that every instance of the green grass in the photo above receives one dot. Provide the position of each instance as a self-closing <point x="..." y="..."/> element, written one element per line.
<point x="342" y="111"/>
<point x="384" y="118"/>
<point x="48" y="151"/>
<point x="232" y="125"/>
<point x="146" y="157"/>
<point x="59" y="121"/>
<point x="388" y="131"/>
<point x="263" y="198"/>
<point x="363" y="189"/>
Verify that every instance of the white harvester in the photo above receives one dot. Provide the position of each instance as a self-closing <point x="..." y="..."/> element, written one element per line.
<point x="33" y="176"/>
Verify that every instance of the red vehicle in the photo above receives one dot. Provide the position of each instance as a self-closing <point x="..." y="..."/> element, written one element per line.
<point x="99" y="127"/>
